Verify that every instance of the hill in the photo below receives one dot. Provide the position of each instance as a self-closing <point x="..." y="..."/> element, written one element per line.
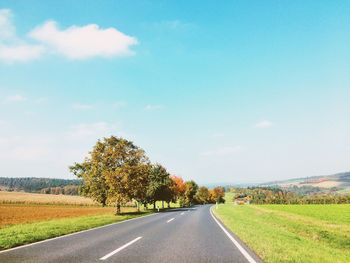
<point x="40" y="185"/>
<point x="339" y="182"/>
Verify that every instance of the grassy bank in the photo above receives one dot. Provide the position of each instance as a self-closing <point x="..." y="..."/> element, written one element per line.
<point x="291" y="233"/>
<point x="15" y="235"/>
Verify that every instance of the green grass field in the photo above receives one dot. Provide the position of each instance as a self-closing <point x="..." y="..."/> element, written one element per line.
<point x="15" y="235"/>
<point x="291" y="233"/>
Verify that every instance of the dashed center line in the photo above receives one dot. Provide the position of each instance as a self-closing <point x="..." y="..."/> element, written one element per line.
<point x="170" y="220"/>
<point x="182" y="213"/>
<point x="119" y="249"/>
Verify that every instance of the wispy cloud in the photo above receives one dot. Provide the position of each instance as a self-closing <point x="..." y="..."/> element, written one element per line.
<point x="15" y="98"/>
<point x="119" y="104"/>
<point x="95" y="130"/>
<point x="263" y="124"/>
<point x="41" y="100"/>
<point x="7" y="29"/>
<point x="218" y="135"/>
<point x="222" y="151"/>
<point x="174" y="25"/>
<point x="22" y="148"/>
<point x="81" y="106"/>
<point x="151" y="107"/>
<point x="12" y="49"/>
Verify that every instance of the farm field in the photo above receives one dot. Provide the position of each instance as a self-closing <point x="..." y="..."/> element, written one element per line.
<point x="21" y="214"/>
<point x="291" y="233"/>
<point x="31" y="198"/>
<point x="26" y="217"/>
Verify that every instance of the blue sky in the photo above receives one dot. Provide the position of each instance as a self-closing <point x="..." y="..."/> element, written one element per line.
<point x="241" y="91"/>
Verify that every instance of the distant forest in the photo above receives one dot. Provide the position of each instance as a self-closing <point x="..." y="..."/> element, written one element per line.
<point x="40" y="185"/>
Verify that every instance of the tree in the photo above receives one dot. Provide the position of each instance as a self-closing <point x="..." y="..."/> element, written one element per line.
<point x="218" y="194"/>
<point x="94" y="183"/>
<point x="178" y="188"/>
<point x="202" y="195"/>
<point x="115" y="171"/>
<point x="191" y="190"/>
<point x="159" y="188"/>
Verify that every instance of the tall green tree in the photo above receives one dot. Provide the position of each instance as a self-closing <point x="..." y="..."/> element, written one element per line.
<point x="116" y="170"/>
<point x="159" y="187"/>
<point x="202" y="196"/>
<point x="190" y="192"/>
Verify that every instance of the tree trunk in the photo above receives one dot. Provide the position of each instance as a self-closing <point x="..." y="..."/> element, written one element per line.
<point x="154" y="205"/>
<point x="162" y="204"/>
<point x="138" y="207"/>
<point x="168" y="204"/>
<point x="118" y="209"/>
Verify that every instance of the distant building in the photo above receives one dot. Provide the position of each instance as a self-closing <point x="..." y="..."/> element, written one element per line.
<point x="242" y="199"/>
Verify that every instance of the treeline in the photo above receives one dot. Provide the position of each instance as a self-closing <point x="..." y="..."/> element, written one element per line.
<point x="274" y="195"/>
<point x="63" y="190"/>
<point x="210" y="196"/>
<point x="37" y="185"/>
<point x="117" y="171"/>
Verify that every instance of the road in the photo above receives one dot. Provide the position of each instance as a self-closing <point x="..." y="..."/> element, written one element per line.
<point x="181" y="235"/>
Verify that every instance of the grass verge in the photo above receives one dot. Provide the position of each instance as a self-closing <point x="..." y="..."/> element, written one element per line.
<point x="16" y="235"/>
<point x="291" y="233"/>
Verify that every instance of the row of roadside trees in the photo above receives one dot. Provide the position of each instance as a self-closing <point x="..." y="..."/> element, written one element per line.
<point x="116" y="172"/>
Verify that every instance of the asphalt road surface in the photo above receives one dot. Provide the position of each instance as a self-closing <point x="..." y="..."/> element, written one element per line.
<point x="181" y="235"/>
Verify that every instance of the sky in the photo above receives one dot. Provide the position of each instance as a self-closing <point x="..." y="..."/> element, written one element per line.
<point x="234" y="92"/>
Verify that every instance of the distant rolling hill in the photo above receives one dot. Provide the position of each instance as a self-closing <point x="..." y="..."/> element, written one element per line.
<point x="339" y="182"/>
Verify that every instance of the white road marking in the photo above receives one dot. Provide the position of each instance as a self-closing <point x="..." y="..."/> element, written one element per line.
<point x="182" y="213"/>
<point x="76" y="233"/>
<point x="119" y="249"/>
<point x="170" y="220"/>
<point x="234" y="241"/>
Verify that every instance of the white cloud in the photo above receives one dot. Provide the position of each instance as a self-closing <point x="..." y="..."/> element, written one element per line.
<point x="95" y="130"/>
<point x="11" y="48"/>
<point x="84" y="42"/>
<point x="15" y="98"/>
<point x="222" y="151"/>
<point x="151" y="107"/>
<point x="20" y="53"/>
<point x="263" y="124"/>
<point x="74" y="42"/>
<point x="80" y="106"/>
<point x="7" y="29"/>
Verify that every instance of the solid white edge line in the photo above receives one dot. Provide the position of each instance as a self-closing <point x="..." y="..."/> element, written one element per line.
<point x="170" y="220"/>
<point x="234" y="241"/>
<point x="75" y="233"/>
<point x="121" y="248"/>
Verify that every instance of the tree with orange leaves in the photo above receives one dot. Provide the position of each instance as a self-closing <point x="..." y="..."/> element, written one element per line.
<point x="178" y="188"/>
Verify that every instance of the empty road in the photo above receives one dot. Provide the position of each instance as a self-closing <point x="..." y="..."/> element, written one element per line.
<point x="182" y="235"/>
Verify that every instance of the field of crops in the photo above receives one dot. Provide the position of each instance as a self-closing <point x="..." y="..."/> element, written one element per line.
<point x="26" y="218"/>
<point x="291" y="233"/>
<point x="20" y="214"/>
<point x="29" y="198"/>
